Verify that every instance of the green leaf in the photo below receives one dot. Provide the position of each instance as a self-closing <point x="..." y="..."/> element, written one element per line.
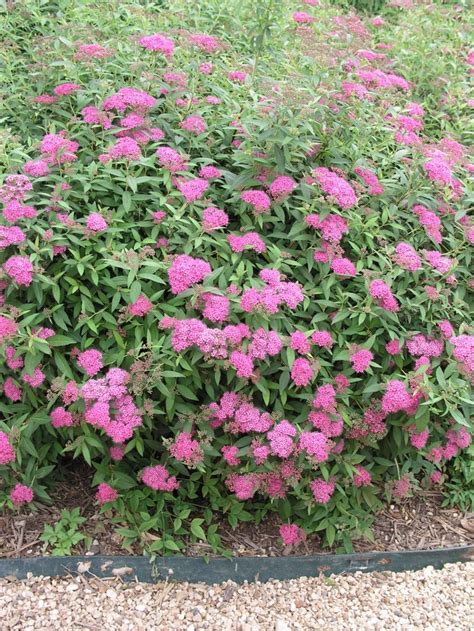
<point x="197" y="530"/>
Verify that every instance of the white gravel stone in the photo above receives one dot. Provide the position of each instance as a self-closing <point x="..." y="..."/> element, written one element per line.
<point x="429" y="600"/>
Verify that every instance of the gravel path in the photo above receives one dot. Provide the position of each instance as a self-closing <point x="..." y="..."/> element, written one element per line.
<point x="427" y="599"/>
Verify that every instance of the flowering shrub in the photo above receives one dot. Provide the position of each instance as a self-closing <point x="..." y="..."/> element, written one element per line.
<point x="230" y="295"/>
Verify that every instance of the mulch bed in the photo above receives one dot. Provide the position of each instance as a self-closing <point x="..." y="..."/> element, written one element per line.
<point x="416" y="523"/>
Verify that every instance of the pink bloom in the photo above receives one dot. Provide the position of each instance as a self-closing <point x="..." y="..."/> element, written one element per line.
<point x="141" y="306"/>
<point x="446" y="329"/>
<point x="208" y="43"/>
<point x="419" y="439"/>
<point x="441" y="264"/>
<point x="361" y="360"/>
<point x="14" y="211"/>
<point x="36" y="379"/>
<point x="209" y="172"/>
<point x="401" y="487"/>
<point x="21" y="494"/>
<point x="258" y="199"/>
<point x="250" y="240"/>
<point x="315" y="444"/>
<point x="216" y="307"/>
<point x="371" y="180"/>
<point x="11" y="390"/>
<point x="281" y="187"/>
<point x="117" y="452"/>
<point x="292" y="534"/>
<point x="90" y="361"/>
<point x="158" y="216"/>
<point x="362" y="477"/>
<point x="421" y="345"/>
<point x="36" y="168"/>
<point x="125" y="148"/>
<point x="325" y="398"/>
<point x="159" y="479"/>
<point x="407" y="257"/>
<point x="185" y="271"/>
<point x="60" y="417"/>
<point x="214" y="218"/>
<point x="244" y="486"/>
<point x="11" y="235"/>
<point x="242" y="363"/>
<point x="343" y="267"/>
<point x="379" y="290"/>
<point x="322" y="490"/>
<point x="300" y="343"/>
<point x="186" y="449"/>
<point x="393" y="347"/>
<point x="303" y="18"/>
<point x="158" y="43"/>
<point x="439" y="171"/>
<point x="7" y="452"/>
<point x="281" y="439"/>
<point x="20" y="269"/>
<point x="237" y="76"/>
<point x="464" y="350"/>
<point x="105" y="493"/>
<point x="7" y="328"/>
<point x="229" y="453"/>
<point x="70" y="393"/>
<point x="396" y="398"/>
<point x="193" y="190"/>
<point x="194" y="124"/>
<point x="342" y="383"/>
<point x="66" y="88"/>
<point x="45" y="99"/>
<point x="92" y="51"/>
<point x="301" y="372"/>
<point x="96" y="222"/>
<point x="57" y="149"/>
<point x="322" y="339"/>
<point x="92" y="116"/>
<point x="171" y="159"/>
<point x="336" y="187"/>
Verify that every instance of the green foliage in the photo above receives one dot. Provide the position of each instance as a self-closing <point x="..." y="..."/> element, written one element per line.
<point x="61" y="538"/>
<point x="459" y="489"/>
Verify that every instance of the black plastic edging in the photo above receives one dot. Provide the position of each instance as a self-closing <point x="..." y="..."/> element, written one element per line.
<point x="238" y="569"/>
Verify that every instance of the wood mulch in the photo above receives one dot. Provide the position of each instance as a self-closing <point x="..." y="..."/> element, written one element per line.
<point x="414" y="524"/>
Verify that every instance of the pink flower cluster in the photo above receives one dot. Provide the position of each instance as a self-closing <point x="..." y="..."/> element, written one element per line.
<point x="186" y="449"/>
<point x="292" y="534"/>
<point x="158" y="478"/>
<point x="141" y="306"/>
<point x="21" y="494"/>
<point x="372" y="181"/>
<point x="20" y="269"/>
<point x="336" y="187"/>
<point x="258" y="199"/>
<point x="90" y="361"/>
<point x="214" y="218"/>
<point x="274" y="294"/>
<point x="106" y="493"/>
<point x="109" y="406"/>
<point x="186" y="271"/>
<point x="251" y="240"/>
<point x="7" y="452"/>
<point x="379" y="290"/>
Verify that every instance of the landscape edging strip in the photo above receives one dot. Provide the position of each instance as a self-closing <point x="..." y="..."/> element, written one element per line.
<point x="237" y="569"/>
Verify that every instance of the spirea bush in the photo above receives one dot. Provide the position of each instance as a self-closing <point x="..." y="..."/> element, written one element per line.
<point x="231" y="294"/>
